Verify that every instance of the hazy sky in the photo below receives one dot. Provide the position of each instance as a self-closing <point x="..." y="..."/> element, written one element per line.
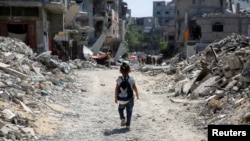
<point x="141" y="8"/>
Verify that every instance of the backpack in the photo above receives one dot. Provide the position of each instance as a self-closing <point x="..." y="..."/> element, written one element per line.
<point x="125" y="92"/>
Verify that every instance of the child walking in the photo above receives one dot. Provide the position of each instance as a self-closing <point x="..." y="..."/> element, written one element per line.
<point x="125" y="101"/>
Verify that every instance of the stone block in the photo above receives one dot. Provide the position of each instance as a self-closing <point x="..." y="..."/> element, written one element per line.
<point x="25" y="85"/>
<point x="8" y="57"/>
<point x="233" y="62"/>
<point x="204" y="88"/>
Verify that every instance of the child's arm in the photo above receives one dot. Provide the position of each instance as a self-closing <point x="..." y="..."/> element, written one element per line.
<point x="136" y="91"/>
<point x="116" y="92"/>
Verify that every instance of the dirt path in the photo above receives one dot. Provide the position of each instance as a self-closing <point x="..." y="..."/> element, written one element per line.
<point x="155" y="117"/>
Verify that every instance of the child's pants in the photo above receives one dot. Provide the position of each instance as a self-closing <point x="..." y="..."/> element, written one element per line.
<point x="129" y="108"/>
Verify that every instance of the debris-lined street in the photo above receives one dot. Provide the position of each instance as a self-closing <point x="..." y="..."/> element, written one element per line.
<point x="43" y="98"/>
<point x="59" y="62"/>
<point x="155" y="117"/>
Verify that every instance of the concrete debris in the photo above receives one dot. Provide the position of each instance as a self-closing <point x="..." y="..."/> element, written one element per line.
<point x="27" y="81"/>
<point x="215" y="81"/>
<point x="220" y="75"/>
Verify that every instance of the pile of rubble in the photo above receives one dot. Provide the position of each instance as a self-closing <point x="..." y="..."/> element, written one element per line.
<point x="220" y="76"/>
<point x="27" y="79"/>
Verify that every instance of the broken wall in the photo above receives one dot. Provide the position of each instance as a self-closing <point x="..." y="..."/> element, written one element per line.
<point x="70" y="15"/>
<point x="56" y="23"/>
<point x="229" y="24"/>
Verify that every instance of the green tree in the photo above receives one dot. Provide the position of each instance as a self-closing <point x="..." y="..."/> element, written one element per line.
<point x="164" y="48"/>
<point x="134" y="38"/>
<point x="155" y="41"/>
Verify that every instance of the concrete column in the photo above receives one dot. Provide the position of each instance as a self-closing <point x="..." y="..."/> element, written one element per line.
<point x="89" y="4"/>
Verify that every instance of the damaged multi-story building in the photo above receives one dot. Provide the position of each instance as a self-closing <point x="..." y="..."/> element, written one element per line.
<point x="64" y="26"/>
<point x="101" y="22"/>
<point x="163" y="11"/>
<point x="198" y="23"/>
<point x="185" y="18"/>
<point x="33" y="21"/>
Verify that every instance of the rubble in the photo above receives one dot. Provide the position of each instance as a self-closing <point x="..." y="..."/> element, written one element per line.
<point x="219" y="75"/>
<point x="214" y="82"/>
<point x="27" y="80"/>
<point x="228" y="81"/>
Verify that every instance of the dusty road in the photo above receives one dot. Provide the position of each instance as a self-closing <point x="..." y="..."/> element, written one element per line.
<point x="155" y="117"/>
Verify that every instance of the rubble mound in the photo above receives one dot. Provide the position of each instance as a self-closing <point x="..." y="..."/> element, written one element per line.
<point x="219" y="75"/>
<point x="213" y="83"/>
<point x="28" y="81"/>
<point x="8" y="44"/>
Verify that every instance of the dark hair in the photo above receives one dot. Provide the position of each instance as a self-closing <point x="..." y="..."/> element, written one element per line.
<point x="124" y="68"/>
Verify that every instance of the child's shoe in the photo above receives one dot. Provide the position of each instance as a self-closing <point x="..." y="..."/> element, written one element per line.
<point x="128" y="127"/>
<point x="123" y="123"/>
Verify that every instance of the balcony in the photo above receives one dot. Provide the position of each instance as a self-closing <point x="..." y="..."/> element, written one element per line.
<point x="22" y="3"/>
<point x="81" y="15"/>
<point x="100" y="15"/>
<point x="55" y="6"/>
<point x="110" y="1"/>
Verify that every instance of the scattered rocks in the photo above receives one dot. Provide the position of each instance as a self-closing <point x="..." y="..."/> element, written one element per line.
<point x="28" y="81"/>
<point x="220" y="74"/>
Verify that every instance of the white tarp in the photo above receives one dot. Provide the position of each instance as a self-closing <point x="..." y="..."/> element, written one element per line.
<point x="87" y="52"/>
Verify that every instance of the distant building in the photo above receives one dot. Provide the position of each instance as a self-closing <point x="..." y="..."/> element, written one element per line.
<point x="163" y="11"/>
<point x="146" y="24"/>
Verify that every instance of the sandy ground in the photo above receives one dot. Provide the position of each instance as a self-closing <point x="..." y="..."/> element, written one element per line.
<point x="155" y="117"/>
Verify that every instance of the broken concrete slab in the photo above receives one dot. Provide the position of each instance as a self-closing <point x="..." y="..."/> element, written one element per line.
<point x="203" y="89"/>
<point x="8" y="114"/>
<point x="233" y="62"/>
<point x="187" y="101"/>
<point x="15" y="73"/>
<point x="189" y="68"/>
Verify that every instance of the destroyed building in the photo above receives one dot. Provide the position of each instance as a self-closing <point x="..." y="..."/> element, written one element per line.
<point x="185" y="13"/>
<point x="198" y="23"/>
<point x="64" y="27"/>
<point x="218" y="26"/>
<point x="34" y="22"/>
<point x="219" y="75"/>
<point x="100" y="25"/>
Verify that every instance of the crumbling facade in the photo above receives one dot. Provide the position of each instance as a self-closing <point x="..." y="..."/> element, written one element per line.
<point x="198" y="23"/>
<point x="101" y="21"/>
<point x="63" y="26"/>
<point x="34" y="22"/>
<point x="218" y="26"/>
<point x="187" y="10"/>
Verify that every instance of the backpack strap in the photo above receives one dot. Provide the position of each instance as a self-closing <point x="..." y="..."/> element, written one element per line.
<point x="124" y="78"/>
<point x="121" y="78"/>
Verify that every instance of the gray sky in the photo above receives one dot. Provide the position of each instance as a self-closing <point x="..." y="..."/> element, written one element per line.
<point x="141" y="8"/>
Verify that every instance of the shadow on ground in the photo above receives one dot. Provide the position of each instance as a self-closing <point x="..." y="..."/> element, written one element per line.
<point x="108" y="132"/>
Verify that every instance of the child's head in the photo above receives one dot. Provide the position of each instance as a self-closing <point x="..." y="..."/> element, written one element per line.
<point x="125" y="68"/>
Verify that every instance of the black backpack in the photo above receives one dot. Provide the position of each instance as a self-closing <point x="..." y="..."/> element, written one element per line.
<point x="125" y="92"/>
